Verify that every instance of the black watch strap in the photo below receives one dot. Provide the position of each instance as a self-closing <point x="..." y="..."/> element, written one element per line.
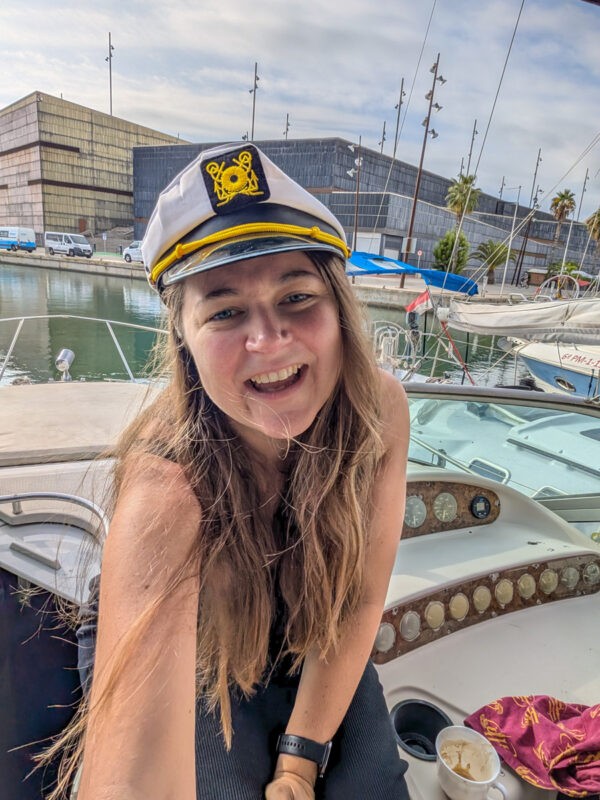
<point x="305" y="748"/>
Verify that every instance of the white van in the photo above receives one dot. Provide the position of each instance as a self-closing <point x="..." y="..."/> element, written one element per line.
<point x="72" y="244"/>
<point x="16" y="238"/>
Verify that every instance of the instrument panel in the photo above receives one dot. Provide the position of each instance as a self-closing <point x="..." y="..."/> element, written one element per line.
<point x="432" y="507"/>
<point x="410" y="625"/>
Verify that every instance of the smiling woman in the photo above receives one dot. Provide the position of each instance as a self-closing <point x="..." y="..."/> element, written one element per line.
<point x="258" y="506"/>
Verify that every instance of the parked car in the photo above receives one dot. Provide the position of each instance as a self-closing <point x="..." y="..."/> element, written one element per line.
<point x="133" y="252"/>
<point x="71" y="244"/>
<point x="17" y="238"/>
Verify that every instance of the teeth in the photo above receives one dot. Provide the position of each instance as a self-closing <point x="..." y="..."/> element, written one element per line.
<point x="274" y="377"/>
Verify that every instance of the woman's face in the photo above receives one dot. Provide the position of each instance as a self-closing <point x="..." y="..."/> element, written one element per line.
<point x="266" y="339"/>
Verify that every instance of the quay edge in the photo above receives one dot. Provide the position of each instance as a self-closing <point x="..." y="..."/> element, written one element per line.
<point x="375" y="291"/>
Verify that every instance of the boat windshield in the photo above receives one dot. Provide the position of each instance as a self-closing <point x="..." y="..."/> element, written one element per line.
<point x="548" y="450"/>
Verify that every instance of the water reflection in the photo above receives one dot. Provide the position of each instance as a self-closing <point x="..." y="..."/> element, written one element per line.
<point x="31" y="291"/>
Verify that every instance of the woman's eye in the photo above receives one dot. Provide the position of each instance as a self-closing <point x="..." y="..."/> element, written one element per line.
<point x="297" y="297"/>
<point x="226" y="313"/>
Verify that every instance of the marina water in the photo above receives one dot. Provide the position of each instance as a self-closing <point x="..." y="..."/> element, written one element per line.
<point x="29" y="292"/>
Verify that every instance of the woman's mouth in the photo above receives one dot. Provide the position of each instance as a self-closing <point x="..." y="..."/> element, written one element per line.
<point x="278" y="380"/>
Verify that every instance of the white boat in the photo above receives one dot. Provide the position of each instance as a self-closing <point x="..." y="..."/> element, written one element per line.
<point x="495" y="590"/>
<point x="558" y="340"/>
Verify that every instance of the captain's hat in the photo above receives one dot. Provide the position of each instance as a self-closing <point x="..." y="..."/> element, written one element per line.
<point x="232" y="203"/>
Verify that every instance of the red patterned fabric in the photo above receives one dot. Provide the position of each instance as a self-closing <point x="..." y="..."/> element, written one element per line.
<point x="549" y="743"/>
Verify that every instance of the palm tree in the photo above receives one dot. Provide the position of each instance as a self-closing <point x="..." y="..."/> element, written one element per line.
<point x="492" y="254"/>
<point x="563" y="204"/>
<point x="462" y="196"/>
<point x="592" y="223"/>
<point x="461" y="199"/>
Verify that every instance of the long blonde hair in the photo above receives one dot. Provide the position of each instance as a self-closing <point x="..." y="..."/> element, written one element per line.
<point x="313" y="557"/>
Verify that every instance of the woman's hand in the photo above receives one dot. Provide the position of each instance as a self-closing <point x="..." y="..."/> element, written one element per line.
<point x="289" y="786"/>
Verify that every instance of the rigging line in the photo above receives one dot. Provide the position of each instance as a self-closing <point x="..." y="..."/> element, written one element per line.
<point x="403" y="120"/>
<point x="460" y="222"/>
<point x="480" y="271"/>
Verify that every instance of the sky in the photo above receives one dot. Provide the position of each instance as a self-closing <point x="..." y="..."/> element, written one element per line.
<point x="527" y="71"/>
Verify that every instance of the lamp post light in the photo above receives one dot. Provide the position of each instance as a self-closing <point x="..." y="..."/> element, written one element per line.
<point x="287" y="126"/>
<point x="253" y="93"/>
<point x="429" y="96"/>
<point x="109" y="58"/>
<point x="355" y="173"/>
<point x="382" y="142"/>
<point x="537" y="164"/>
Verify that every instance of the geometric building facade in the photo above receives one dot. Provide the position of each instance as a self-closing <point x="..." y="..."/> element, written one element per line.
<point x="374" y="205"/>
<point x="65" y="167"/>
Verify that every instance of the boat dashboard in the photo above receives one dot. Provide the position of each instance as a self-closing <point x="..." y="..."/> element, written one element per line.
<point x="492" y="595"/>
<point x="474" y="550"/>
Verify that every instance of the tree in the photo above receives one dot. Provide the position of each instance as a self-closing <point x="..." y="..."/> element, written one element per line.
<point x="462" y="196"/>
<point x="492" y="254"/>
<point x="592" y="223"/>
<point x="442" y="252"/>
<point x="461" y="199"/>
<point x="563" y="204"/>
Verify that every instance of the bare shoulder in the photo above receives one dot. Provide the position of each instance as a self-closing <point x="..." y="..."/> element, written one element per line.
<point x="394" y="410"/>
<point x="157" y="514"/>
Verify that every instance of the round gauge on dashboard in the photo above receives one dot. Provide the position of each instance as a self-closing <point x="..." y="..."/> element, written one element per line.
<point x="481" y="507"/>
<point x="445" y="507"/>
<point x="415" y="512"/>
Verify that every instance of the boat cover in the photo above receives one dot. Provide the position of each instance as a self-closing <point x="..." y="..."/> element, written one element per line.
<point x="573" y="321"/>
<point x="361" y="263"/>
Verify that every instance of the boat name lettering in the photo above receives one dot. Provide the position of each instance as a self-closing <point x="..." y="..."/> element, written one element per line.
<point x="579" y="359"/>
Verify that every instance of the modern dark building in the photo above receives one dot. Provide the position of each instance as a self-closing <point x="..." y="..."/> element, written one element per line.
<point x="374" y="201"/>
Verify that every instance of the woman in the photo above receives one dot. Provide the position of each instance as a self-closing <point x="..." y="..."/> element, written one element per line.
<point x="258" y="508"/>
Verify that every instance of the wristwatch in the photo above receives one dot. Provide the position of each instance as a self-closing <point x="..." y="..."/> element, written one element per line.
<point x="305" y="748"/>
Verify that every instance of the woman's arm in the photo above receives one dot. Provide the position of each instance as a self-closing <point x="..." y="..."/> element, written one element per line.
<point x="140" y="744"/>
<point x="327" y="687"/>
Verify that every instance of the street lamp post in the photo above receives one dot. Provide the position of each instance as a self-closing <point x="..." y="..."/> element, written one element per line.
<point x="537" y="164"/>
<point x="355" y="173"/>
<point x="398" y="109"/>
<point x="287" y="126"/>
<point x="253" y="93"/>
<point x="109" y="58"/>
<point x="429" y="96"/>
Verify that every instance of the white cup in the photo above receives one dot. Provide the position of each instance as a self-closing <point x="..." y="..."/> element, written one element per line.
<point x="467" y="765"/>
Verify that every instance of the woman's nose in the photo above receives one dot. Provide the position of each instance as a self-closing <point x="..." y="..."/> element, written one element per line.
<point x="266" y="332"/>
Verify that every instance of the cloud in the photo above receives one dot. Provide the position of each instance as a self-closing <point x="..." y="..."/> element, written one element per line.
<point x="187" y="69"/>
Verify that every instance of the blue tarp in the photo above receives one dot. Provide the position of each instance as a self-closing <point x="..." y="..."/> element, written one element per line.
<point x="372" y="264"/>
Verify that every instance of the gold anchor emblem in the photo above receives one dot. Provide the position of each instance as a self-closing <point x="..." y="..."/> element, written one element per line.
<point x="237" y="179"/>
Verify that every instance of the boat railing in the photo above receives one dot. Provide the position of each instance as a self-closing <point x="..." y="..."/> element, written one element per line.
<point x="407" y="351"/>
<point x="19" y="517"/>
<point x="110" y="325"/>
